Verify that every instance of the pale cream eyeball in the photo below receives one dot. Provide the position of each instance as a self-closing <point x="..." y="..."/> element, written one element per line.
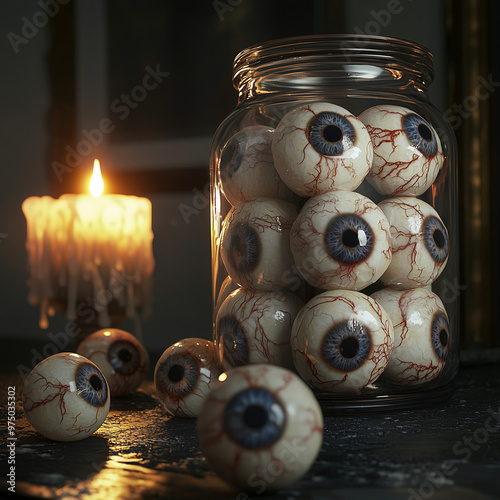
<point x="120" y="356"/>
<point x="255" y="244"/>
<point x="422" y="334"/>
<point x="341" y="240"/>
<point x="255" y="327"/>
<point x="184" y="375"/>
<point x="321" y="147"/>
<point x="66" y="397"/>
<point x="407" y="153"/>
<point x="419" y="243"/>
<point x="261" y="428"/>
<point x="246" y="167"/>
<point x="341" y="341"/>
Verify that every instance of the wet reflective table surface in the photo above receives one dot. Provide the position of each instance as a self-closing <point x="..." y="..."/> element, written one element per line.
<point x="450" y="450"/>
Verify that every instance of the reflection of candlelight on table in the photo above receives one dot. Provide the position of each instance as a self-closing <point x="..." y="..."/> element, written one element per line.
<point x="90" y="255"/>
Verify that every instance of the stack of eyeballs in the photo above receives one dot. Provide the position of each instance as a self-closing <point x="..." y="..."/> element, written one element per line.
<point x="304" y="250"/>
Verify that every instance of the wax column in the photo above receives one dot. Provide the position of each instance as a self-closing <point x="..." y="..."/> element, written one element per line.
<point x="90" y="256"/>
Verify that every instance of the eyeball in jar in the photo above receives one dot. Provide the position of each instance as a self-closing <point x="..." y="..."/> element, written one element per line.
<point x="422" y="336"/>
<point x="321" y="147"/>
<point x="255" y="243"/>
<point x="342" y="341"/>
<point x="246" y="167"/>
<point x="407" y="152"/>
<point x="419" y="243"/>
<point x="341" y="240"/>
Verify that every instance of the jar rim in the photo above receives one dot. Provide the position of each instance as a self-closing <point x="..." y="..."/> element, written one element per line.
<point x="336" y="48"/>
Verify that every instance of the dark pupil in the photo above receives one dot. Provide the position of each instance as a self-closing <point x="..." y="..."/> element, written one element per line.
<point x="125" y="355"/>
<point x="438" y="237"/>
<point x="176" y="373"/>
<point x="349" y="347"/>
<point x="95" y="382"/>
<point x="350" y="238"/>
<point x="332" y="133"/>
<point x="425" y="132"/>
<point x="443" y="337"/>
<point x="255" y="416"/>
<point x="238" y="244"/>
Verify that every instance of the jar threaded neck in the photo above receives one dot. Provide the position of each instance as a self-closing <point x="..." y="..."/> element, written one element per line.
<point x="322" y="61"/>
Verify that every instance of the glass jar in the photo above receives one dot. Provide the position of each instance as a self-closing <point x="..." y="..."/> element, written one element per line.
<point x="334" y="221"/>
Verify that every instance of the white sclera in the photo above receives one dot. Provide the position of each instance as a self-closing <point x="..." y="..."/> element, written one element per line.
<point x="184" y="375"/>
<point x="120" y="356"/>
<point x="407" y="154"/>
<point x="341" y="240"/>
<point x="421" y="334"/>
<point x="342" y="341"/>
<point x="256" y="244"/>
<point x="262" y="421"/>
<point x="254" y="327"/>
<point x="321" y="147"/>
<point x="246" y="167"/>
<point x="419" y="243"/>
<point x="66" y="397"/>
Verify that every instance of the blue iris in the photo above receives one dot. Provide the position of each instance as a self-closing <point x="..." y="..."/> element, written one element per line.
<point x="347" y="345"/>
<point x="178" y="375"/>
<point x="348" y="239"/>
<point x="254" y="418"/>
<point x="91" y="384"/>
<point x="244" y="248"/>
<point x="330" y="134"/>
<point x="232" y="154"/>
<point x="233" y="340"/>
<point x="124" y="357"/>
<point x="420" y="134"/>
<point x="440" y="335"/>
<point x="436" y="238"/>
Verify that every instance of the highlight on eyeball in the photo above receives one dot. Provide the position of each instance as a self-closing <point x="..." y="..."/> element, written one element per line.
<point x="66" y="397"/>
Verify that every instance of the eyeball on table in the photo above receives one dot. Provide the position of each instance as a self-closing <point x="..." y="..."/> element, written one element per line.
<point x="256" y="243"/>
<point x="255" y="326"/>
<point x="261" y="429"/>
<point x="342" y="341"/>
<point x="419" y="243"/>
<point x="184" y="375"/>
<point x="407" y="154"/>
<point x="120" y="356"/>
<point x="341" y="240"/>
<point x="66" y="397"/>
<point x="321" y="147"/>
<point x="246" y="167"/>
<point x="421" y="334"/>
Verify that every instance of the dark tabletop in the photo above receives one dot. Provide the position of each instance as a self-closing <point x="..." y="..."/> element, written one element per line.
<point x="450" y="450"/>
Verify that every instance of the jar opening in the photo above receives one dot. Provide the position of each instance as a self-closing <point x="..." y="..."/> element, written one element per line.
<point x="324" y="60"/>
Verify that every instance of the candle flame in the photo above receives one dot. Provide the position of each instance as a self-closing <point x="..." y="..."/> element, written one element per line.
<point x="96" y="183"/>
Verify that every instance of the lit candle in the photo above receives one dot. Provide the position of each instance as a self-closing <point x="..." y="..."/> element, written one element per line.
<point x="88" y="251"/>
